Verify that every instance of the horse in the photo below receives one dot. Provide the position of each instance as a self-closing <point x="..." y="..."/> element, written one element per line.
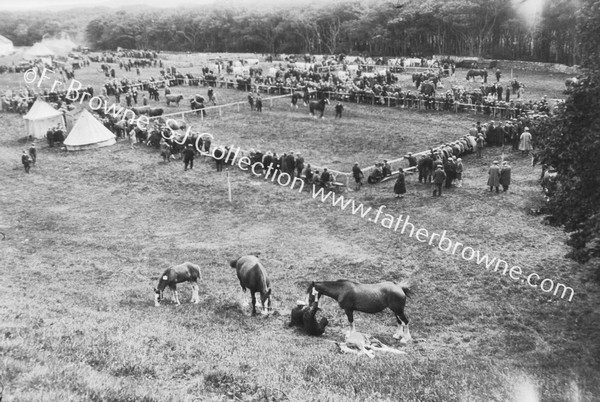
<point x="176" y="124"/>
<point x="318" y="105"/>
<point x="252" y="275"/>
<point x="186" y="272"/>
<point x="174" y="98"/>
<point x="368" y="298"/>
<point x="295" y="97"/>
<point x="428" y="88"/>
<point x="477" y="73"/>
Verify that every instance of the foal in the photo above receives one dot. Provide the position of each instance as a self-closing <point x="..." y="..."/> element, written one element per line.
<point x="186" y="272"/>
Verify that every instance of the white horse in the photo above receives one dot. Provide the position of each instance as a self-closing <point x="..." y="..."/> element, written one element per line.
<point x="186" y="272"/>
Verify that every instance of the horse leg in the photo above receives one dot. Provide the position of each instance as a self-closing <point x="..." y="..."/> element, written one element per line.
<point x="195" y="295"/>
<point x="253" y="302"/>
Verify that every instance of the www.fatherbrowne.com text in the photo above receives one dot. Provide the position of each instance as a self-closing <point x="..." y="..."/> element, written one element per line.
<point x="402" y="224"/>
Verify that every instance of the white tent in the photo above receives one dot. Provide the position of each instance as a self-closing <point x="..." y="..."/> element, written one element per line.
<point x="41" y="117"/>
<point x="6" y="46"/>
<point x="38" y="50"/>
<point x="88" y="133"/>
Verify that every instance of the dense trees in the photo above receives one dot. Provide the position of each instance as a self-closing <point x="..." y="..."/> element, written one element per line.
<point x="570" y="143"/>
<point x="488" y="28"/>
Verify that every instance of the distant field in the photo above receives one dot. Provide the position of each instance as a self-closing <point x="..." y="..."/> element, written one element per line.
<point x="88" y="235"/>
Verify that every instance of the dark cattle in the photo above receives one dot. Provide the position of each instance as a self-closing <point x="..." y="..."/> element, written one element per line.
<point x="174" y="99"/>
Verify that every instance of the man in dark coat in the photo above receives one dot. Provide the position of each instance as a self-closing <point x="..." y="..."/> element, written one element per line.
<point x="188" y="157"/>
<point x="505" y="171"/>
<point x="439" y="177"/>
<point x="450" y="169"/>
<point x="338" y="110"/>
<point x="400" y="186"/>
<point x="26" y="161"/>
<point x="326" y="178"/>
<point x="412" y="161"/>
<point x="427" y="169"/>
<point x="421" y="169"/>
<point x="290" y="164"/>
<point x="258" y="103"/>
<point x="358" y="175"/>
<point x="299" y="164"/>
<point x="494" y="176"/>
<point x="32" y="153"/>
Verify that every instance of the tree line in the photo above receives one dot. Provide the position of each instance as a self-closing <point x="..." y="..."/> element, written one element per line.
<point x="497" y="29"/>
<point x="487" y="28"/>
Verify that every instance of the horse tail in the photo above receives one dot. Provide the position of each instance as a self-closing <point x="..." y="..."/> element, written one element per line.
<point x="406" y="287"/>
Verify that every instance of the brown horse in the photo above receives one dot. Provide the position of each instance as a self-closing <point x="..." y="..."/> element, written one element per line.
<point x="368" y="298"/>
<point x="253" y="276"/>
<point x="186" y="272"/>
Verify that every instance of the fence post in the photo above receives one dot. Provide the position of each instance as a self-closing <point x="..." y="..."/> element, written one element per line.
<point x="220" y="111"/>
<point x="270" y="103"/>
<point x="238" y="105"/>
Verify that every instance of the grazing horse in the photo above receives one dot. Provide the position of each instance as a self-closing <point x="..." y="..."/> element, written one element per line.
<point x="368" y="298"/>
<point x="477" y="73"/>
<point x="186" y="272"/>
<point x="252" y="275"/>
<point x="318" y="105"/>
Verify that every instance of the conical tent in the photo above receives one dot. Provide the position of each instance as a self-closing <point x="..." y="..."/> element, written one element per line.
<point x="38" y="50"/>
<point x="6" y="46"/>
<point x="88" y="133"/>
<point x="41" y="117"/>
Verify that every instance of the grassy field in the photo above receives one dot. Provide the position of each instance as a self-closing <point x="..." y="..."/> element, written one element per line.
<point x="88" y="235"/>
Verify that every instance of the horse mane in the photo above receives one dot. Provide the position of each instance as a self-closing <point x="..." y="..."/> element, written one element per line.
<point x="407" y="287"/>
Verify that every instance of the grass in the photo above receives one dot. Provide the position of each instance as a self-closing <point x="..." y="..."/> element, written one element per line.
<point x="88" y="235"/>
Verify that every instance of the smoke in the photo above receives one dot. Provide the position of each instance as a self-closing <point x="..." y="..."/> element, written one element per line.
<point x="530" y="10"/>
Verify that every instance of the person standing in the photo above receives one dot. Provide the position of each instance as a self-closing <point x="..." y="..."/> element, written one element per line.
<point x="258" y="103"/>
<point x="32" y="153"/>
<point x="188" y="157"/>
<point x="251" y="101"/>
<point x="438" y="180"/>
<point x="26" y="161"/>
<point x="498" y="75"/>
<point x="479" y="141"/>
<point x="494" y="177"/>
<point x="299" y="164"/>
<point x="412" y="161"/>
<point x="400" y="186"/>
<point x="459" y="172"/>
<point x="450" y="169"/>
<point x="339" y="108"/>
<point x="358" y="175"/>
<point x="505" y="175"/>
<point x="525" y="145"/>
<point x="290" y="164"/>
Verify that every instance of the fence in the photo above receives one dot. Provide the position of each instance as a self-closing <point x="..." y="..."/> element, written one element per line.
<point x="218" y="107"/>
